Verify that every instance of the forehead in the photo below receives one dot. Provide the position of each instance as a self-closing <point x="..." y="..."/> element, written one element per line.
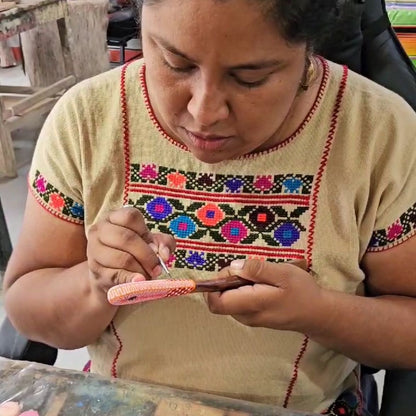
<point x="202" y="26"/>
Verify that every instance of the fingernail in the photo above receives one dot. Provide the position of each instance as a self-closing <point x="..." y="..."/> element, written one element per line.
<point x="153" y="246"/>
<point x="237" y="264"/>
<point x="157" y="271"/>
<point x="138" y="278"/>
<point x="164" y="252"/>
<point x="128" y="206"/>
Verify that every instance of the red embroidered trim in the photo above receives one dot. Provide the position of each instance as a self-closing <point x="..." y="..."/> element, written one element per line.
<point x="314" y="210"/>
<point x="126" y="133"/>
<point x="295" y="371"/>
<point x="392" y="245"/>
<point x="240" y="249"/>
<point x="324" y="161"/>
<point x="285" y="142"/>
<point x="118" y="352"/>
<point x="50" y="210"/>
<point x="299" y="200"/>
<point x="126" y="148"/>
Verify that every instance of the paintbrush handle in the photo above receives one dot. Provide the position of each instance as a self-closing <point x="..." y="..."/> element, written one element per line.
<point x="219" y="285"/>
<point x="234" y="282"/>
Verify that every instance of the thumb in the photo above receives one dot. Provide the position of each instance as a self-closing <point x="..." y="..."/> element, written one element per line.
<point x="259" y="271"/>
<point x="124" y="276"/>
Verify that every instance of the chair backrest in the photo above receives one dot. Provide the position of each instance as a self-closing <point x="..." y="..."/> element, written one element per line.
<point x="368" y="45"/>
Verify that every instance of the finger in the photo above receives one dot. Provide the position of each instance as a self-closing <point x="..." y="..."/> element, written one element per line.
<point x="128" y="241"/>
<point x="133" y="219"/>
<point x="10" y="409"/>
<point x="275" y="274"/>
<point x="164" y="245"/>
<point x="244" y="300"/>
<point x="106" y="277"/>
<point x="108" y="257"/>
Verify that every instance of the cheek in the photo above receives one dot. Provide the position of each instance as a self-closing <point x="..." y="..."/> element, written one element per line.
<point x="264" y="112"/>
<point x="168" y="95"/>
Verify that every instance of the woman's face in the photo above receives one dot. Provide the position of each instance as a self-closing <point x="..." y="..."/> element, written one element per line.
<point x="221" y="78"/>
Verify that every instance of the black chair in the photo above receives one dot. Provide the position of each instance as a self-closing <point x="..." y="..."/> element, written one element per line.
<point x="122" y="27"/>
<point x="368" y="45"/>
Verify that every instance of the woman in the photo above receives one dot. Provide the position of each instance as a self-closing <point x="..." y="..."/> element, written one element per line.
<point x="237" y="149"/>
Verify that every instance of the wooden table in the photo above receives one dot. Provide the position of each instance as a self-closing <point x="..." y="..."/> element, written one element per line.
<point x="52" y="392"/>
<point x="31" y="102"/>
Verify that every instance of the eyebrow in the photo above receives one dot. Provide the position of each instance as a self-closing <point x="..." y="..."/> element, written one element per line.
<point x="265" y="64"/>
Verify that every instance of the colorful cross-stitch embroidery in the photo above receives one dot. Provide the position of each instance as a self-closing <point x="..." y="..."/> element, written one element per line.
<point x="55" y="201"/>
<point x="347" y="404"/>
<point x="397" y="232"/>
<point x="218" y="218"/>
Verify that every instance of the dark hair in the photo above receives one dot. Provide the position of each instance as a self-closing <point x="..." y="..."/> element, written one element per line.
<point x="300" y="21"/>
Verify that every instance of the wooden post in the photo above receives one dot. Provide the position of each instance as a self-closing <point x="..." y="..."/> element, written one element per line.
<point x="6" y="55"/>
<point x="75" y="45"/>
<point x="7" y="157"/>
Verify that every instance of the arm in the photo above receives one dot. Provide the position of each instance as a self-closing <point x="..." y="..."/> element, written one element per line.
<point x="48" y="296"/>
<point x="378" y="331"/>
<point x="57" y="279"/>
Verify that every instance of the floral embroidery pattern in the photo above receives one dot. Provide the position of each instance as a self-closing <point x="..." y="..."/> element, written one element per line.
<point x="55" y="201"/>
<point x="278" y="184"/>
<point x="397" y="232"/>
<point x="218" y="218"/>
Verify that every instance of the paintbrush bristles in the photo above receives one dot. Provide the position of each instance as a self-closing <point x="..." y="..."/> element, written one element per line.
<point x="137" y="292"/>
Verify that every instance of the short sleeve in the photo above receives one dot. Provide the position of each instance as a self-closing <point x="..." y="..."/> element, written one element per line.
<point x="55" y="177"/>
<point x="395" y="176"/>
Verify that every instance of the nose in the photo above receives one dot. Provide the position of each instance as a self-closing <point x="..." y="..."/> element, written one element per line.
<point x="208" y="104"/>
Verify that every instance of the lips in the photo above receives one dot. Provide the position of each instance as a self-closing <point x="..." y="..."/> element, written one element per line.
<point x="207" y="142"/>
<point x="204" y="136"/>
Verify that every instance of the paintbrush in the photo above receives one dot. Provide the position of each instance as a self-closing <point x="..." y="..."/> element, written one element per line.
<point x="137" y="292"/>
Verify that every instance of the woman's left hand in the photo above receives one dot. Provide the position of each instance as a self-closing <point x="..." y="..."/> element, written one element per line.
<point x="283" y="296"/>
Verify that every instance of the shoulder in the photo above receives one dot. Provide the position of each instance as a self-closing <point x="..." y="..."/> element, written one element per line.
<point x="101" y="90"/>
<point x="372" y="116"/>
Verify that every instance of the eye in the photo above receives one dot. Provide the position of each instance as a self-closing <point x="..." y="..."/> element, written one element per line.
<point x="250" y="84"/>
<point x="176" y="68"/>
<point x="250" y="80"/>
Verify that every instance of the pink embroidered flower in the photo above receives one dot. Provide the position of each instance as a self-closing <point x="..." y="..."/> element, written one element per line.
<point x="176" y="180"/>
<point x="56" y="201"/>
<point x="41" y="184"/>
<point x="149" y="172"/>
<point x="234" y="231"/>
<point x="263" y="182"/>
<point x="210" y="215"/>
<point x="394" y="231"/>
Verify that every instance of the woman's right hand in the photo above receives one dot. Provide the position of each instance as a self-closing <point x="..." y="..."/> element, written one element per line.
<point x="121" y="249"/>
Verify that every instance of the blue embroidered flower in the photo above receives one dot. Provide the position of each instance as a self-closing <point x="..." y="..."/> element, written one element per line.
<point x="287" y="234"/>
<point x="234" y="185"/>
<point x="183" y="226"/>
<point x="159" y="208"/>
<point x="292" y="186"/>
<point x="77" y="211"/>
<point x="196" y="259"/>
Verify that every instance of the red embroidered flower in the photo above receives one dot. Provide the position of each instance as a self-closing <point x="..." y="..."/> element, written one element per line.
<point x="394" y="231"/>
<point x="176" y="180"/>
<point x="56" y="201"/>
<point x="210" y="215"/>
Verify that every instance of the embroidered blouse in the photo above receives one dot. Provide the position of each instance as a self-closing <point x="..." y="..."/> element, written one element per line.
<point x="342" y="185"/>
